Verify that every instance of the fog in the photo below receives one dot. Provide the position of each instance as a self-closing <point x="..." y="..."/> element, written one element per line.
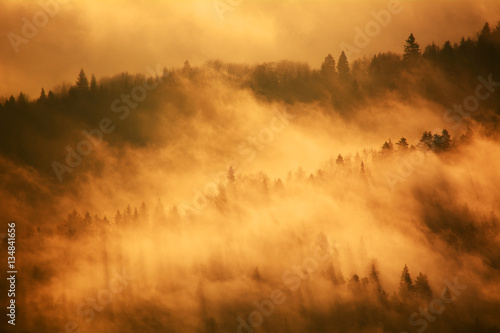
<point x="240" y="192"/>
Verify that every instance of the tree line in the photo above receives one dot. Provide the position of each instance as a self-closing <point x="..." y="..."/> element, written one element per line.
<point x="435" y="73"/>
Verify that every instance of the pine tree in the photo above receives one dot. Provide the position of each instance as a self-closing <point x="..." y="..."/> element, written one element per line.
<point x="485" y="33"/>
<point x="405" y="284"/>
<point x="422" y="287"/>
<point x="411" y="49"/>
<point x="93" y="84"/>
<point x="340" y="160"/>
<point x="343" y="67"/>
<point x="374" y="274"/>
<point x="127" y="215"/>
<point x="387" y="147"/>
<point x="402" y="144"/>
<point x="328" y="70"/>
<point x="230" y="175"/>
<point x="441" y="142"/>
<point x="22" y="99"/>
<point x="427" y="139"/>
<point x="143" y="211"/>
<point x="11" y="102"/>
<point x="51" y="95"/>
<point x="42" y="97"/>
<point x="445" y="140"/>
<point x="446" y="56"/>
<point x="431" y="52"/>
<point x="82" y="83"/>
<point x="375" y="279"/>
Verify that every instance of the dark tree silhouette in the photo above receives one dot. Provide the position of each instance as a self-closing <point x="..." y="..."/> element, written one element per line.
<point x="42" y="97"/>
<point x="485" y="34"/>
<point x="22" y="100"/>
<point x="340" y="160"/>
<point x="427" y="139"/>
<point x="230" y="174"/>
<point x="10" y="103"/>
<point x="387" y="147"/>
<point x="402" y="144"/>
<point x="446" y="57"/>
<point x="431" y="52"/>
<point x="143" y="211"/>
<point x="343" y="68"/>
<point x="82" y="83"/>
<point x="442" y="142"/>
<point x="422" y="287"/>
<point x="328" y="70"/>
<point x="93" y="84"/>
<point x="411" y="49"/>
<point x="405" y="283"/>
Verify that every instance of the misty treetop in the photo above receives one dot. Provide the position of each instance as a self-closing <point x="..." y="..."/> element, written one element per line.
<point x="346" y="87"/>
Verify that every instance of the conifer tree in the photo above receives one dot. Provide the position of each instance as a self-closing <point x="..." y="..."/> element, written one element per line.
<point x="343" y="68"/>
<point x="411" y="49"/>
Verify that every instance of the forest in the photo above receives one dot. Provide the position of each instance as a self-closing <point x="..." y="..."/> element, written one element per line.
<point x="360" y="196"/>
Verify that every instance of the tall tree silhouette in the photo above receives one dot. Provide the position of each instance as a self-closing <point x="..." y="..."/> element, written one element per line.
<point x="43" y="96"/>
<point x="446" y="56"/>
<point x="82" y="83"/>
<point x="431" y="52"/>
<point x="328" y="70"/>
<point x="343" y="67"/>
<point x="93" y="84"/>
<point x="230" y="175"/>
<point x="411" y="49"/>
<point x="422" y="287"/>
<point x="405" y="283"/>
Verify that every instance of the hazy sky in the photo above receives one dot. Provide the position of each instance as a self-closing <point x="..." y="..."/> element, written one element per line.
<point x="107" y="37"/>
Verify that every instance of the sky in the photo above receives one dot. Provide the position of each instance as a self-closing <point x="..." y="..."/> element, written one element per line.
<point x="109" y="37"/>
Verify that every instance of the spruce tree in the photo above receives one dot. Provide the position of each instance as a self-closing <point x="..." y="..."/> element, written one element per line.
<point x="82" y="83"/>
<point x="405" y="283"/>
<point x="328" y="70"/>
<point x="411" y="49"/>
<point x="343" y="68"/>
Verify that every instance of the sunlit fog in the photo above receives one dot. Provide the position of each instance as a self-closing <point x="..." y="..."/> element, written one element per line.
<point x="250" y="166"/>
